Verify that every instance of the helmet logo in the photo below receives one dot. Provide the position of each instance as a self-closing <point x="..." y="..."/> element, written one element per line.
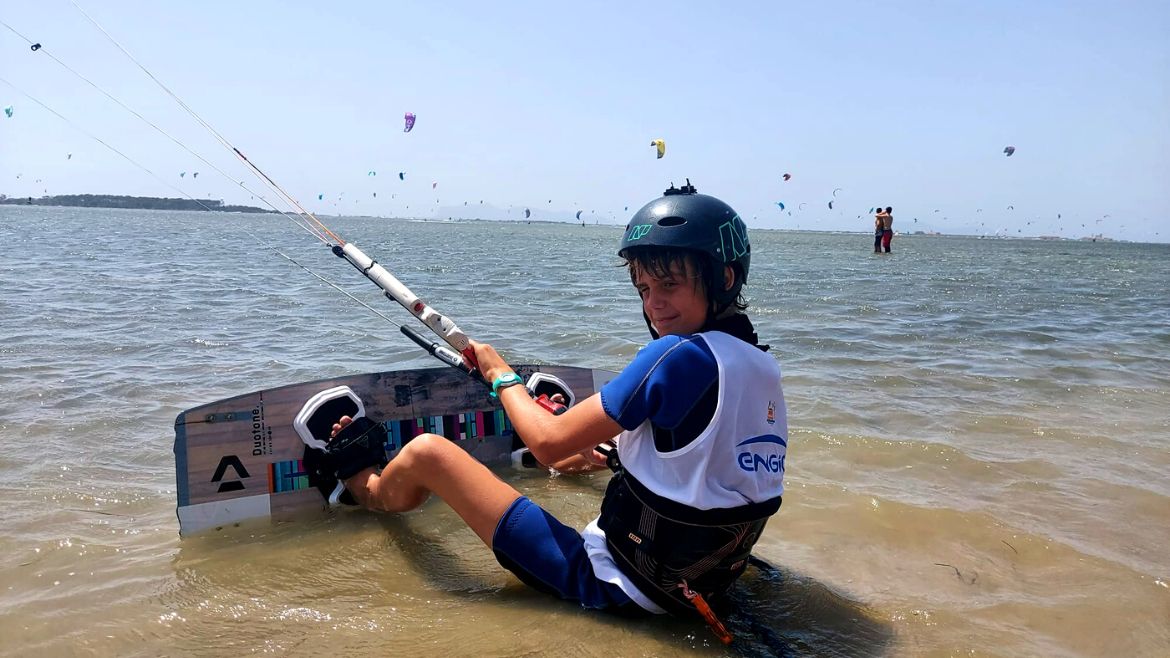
<point x="733" y="240"/>
<point x="639" y="231"/>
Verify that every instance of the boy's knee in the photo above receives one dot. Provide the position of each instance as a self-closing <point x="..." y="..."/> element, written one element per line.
<point x="426" y="449"/>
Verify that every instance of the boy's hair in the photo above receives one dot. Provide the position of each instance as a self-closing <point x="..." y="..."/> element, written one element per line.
<point x="889" y="209"/>
<point x="660" y="262"/>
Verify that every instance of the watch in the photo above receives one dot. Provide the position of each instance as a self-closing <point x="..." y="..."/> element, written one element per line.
<point x="504" y="381"/>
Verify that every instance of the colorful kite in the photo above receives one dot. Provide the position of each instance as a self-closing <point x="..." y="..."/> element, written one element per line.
<point x="660" y="145"/>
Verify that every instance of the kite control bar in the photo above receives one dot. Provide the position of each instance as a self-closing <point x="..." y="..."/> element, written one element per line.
<point x="394" y="289"/>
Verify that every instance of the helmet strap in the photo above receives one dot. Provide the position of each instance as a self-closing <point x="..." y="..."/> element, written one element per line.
<point x="653" y="334"/>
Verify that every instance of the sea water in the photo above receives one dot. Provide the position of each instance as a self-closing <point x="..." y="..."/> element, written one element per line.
<point x="977" y="463"/>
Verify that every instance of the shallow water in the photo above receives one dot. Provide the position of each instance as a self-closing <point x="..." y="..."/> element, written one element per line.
<point x="977" y="462"/>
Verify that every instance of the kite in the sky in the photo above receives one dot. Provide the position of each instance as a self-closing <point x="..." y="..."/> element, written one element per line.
<point x="786" y="177"/>
<point x="8" y="111"/>
<point x="830" y="205"/>
<point x="1011" y="207"/>
<point x="579" y="214"/>
<point x="801" y="206"/>
<point x="434" y="184"/>
<point x="372" y="173"/>
<point x="835" y="191"/>
<point x="781" y="204"/>
<point x="195" y="175"/>
<point x="409" y="122"/>
<point x="182" y="174"/>
<point x="402" y="175"/>
<point x="660" y="145"/>
<point x="320" y="196"/>
<point x="527" y="213"/>
<point x="69" y="156"/>
<point x="1008" y="150"/>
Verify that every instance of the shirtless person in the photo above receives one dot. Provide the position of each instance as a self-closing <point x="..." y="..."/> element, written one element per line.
<point x="887" y="218"/>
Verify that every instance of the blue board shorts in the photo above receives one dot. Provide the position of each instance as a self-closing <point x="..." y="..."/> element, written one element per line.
<point x="550" y="557"/>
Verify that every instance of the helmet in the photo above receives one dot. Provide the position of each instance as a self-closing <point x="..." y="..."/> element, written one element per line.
<point x="684" y="219"/>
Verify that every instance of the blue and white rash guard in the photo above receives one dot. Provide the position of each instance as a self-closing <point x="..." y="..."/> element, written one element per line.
<point x="705" y="426"/>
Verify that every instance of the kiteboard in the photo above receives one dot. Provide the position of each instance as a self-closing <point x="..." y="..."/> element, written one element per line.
<point x="242" y="459"/>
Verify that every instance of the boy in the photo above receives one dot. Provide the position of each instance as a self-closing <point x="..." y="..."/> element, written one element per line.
<point x="701" y="429"/>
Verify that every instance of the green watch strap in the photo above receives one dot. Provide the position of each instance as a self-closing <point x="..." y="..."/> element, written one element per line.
<point x="504" y="381"/>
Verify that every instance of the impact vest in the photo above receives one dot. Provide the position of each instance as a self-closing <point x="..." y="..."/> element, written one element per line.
<point x="684" y="522"/>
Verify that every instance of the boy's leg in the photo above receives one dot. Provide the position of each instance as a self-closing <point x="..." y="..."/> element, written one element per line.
<point x="541" y="551"/>
<point x="551" y="557"/>
<point x="432" y="464"/>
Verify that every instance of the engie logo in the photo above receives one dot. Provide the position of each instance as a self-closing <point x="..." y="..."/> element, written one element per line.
<point x="765" y="454"/>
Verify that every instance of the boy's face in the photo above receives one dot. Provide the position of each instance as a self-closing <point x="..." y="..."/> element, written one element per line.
<point x="676" y="304"/>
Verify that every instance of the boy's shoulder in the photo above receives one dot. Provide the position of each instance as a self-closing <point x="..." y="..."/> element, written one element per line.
<point x="673" y="345"/>
<point x="674" y="354"/>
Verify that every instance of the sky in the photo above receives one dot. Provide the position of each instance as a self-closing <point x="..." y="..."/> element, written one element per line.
<point x="552" y="106"/>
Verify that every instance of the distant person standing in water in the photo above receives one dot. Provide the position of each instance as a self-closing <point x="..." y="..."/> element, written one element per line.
<point x="878" y="228"/>
<point x="887" y="218"/>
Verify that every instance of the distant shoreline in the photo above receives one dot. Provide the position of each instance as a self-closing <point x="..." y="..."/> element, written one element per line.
<point x="128" y="202"/>
<point x="124" y="202"/>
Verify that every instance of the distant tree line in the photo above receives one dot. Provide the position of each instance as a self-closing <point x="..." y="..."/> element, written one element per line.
<point x="119" y="201"/>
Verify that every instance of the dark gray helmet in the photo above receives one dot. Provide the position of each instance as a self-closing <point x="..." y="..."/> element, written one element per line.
<point x="684" y="219"/>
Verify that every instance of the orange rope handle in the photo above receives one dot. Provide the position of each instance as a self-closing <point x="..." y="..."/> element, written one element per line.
<point x="709" y="615"/>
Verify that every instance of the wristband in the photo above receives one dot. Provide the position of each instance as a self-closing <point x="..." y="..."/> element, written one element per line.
<point x="504" y="381"/>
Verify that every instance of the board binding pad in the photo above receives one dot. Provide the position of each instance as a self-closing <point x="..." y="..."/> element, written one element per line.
<point x="241" y="458"/>
<point x="316" y="419"/>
